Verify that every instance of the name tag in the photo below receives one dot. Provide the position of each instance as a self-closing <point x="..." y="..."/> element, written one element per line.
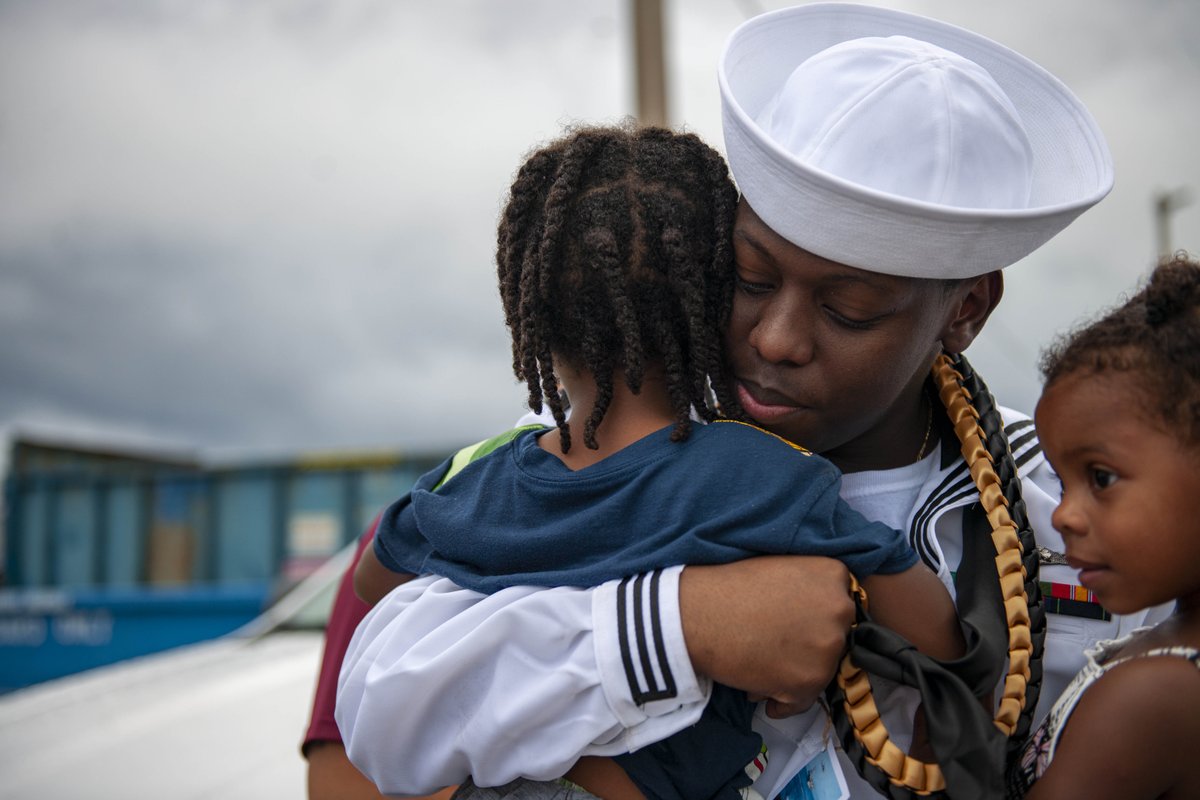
<point x="820" y="779"/>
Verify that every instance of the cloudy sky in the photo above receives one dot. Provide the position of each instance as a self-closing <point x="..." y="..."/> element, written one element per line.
<point x="266" y="227"/>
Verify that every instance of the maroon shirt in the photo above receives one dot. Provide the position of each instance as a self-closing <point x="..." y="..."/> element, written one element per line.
<point x="347" y="611"/>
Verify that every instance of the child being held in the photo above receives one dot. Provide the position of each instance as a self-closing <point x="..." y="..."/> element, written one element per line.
<point x="1119" y="420"/>
<point x="616" y="274"/>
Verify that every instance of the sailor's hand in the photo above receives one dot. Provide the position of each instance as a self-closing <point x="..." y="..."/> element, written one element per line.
<point x="774" y="626"/>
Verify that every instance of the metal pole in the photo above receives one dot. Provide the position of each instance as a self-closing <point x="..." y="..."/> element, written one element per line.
<point x="1165" y="203"/>
<point x="649" y="66"/>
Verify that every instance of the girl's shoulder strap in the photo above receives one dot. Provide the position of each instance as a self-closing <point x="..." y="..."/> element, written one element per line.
<point x="1179" y="651"/>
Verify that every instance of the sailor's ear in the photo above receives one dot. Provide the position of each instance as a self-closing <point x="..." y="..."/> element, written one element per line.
<point x="970" y="306"/>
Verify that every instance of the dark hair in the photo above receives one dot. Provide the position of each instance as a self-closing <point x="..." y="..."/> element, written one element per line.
<point x="1155" y="334"/>
<point x="615" y="251"/>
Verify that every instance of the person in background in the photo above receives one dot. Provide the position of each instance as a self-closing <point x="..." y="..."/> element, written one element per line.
<point x="890" y="167"/>
<point x="331" y="776"/>
<point x="1119" y="420"/>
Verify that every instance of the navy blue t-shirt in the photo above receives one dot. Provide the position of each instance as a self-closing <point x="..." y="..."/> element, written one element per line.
<point x="519" y="516"/>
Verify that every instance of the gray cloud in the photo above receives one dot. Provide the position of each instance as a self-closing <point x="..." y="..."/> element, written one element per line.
<point x="268" y="226"/>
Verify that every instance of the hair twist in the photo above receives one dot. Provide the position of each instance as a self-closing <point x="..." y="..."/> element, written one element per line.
<point x="613" y="251"/>
<point x="1155" y="338"/>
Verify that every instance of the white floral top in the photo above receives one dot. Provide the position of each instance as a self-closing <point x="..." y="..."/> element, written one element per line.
<point x="1039" y="748"/>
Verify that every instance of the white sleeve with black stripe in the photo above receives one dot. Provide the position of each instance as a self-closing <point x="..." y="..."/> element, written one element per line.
<point x="642" y="658"/>
<point x="440" y="683"/>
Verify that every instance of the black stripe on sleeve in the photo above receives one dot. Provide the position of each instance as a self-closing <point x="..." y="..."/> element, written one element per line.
<point x="641" y="598"/>
<point x="623" y="638"/>
<point x="660" y="647"/>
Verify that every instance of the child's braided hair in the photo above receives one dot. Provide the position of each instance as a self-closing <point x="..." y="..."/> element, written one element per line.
<point x="614" y="252"/>
<point x="1156" y="335"/>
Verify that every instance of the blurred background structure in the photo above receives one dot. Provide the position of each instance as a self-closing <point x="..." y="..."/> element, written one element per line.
<point x="114" y="554"/>
<point x="233" y="233"/>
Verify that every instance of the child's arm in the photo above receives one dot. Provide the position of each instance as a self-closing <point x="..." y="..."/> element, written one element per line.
<point x="396" y="533"/>
<point x="916" y="605"/>
<point x="396" y="537"/>
<point x="603" y="777"/>
<point x="372" y="580"/>
<point x="1132" y="735"/>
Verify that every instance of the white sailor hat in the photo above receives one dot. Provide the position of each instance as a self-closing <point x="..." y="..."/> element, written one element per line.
<point x="904" y="145"/>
